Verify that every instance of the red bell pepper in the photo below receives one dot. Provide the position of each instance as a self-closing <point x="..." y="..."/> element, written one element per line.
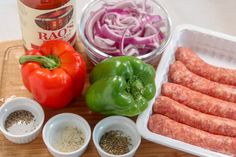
<point x="55" y="73"/>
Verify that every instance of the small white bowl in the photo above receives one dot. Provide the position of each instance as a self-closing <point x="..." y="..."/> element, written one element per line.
<point x="62" y="120"/>
<point x="116" y="123"/>
<point x="21" y="103"/>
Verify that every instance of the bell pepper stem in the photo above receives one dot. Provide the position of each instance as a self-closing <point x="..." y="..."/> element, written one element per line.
<point x="49" y="62"/>
<point x="135" y="86"/>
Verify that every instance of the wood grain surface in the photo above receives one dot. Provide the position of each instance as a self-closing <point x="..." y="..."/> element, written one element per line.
<point x="11" y="85"/>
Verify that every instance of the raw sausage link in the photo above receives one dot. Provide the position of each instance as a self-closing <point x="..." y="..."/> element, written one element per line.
<point x="180" y="74"/>
<point x="199" y="101"/>
<point x="198" y="66"/>
<point x="165" y="126"/>
<point x="196" y="119"/>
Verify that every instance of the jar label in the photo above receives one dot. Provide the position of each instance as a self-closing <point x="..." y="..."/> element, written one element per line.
<point x="42" y="25"/>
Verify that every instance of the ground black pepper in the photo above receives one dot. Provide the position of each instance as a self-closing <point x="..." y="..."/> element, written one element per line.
<point x="20" y="122"/>
<point x="115" y="142"/>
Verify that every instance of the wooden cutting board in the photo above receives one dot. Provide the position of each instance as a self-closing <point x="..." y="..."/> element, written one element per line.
<point x="11" y="86"/>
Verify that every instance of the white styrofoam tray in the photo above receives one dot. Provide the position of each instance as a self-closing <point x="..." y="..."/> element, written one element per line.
<point x="215" y="48"/>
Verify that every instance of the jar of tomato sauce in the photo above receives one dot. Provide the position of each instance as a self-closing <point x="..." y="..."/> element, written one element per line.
<point x="43" y="20"/>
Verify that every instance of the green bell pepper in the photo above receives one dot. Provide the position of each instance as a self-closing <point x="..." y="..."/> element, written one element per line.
<point x="121" y="86"/>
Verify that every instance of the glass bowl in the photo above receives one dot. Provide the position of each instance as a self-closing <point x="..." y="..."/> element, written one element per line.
<point x="97" y="56"/>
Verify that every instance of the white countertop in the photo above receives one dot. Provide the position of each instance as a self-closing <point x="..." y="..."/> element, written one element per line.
<point x="218" y="15"/>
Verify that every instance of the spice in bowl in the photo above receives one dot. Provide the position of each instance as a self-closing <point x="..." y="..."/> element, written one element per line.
<point x="115" y="142"/>
<point x="69" y="139"/>
<point x="20" y="122"/>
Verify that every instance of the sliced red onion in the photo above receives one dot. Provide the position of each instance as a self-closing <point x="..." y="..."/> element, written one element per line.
<point x="131" y="50"/>
<point x="123" y="42"/>
<point x="106" y="41"/>
<point x="125" y="28"/>
<point x="108" y="33"/>
<point x="99" y="42"/>
<point x="150" y="30"/>
<point x="90" y="24"/>
<point x="125" y="4"/>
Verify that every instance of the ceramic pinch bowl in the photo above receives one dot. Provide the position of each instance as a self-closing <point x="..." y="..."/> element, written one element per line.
<point x="17" y="104"/>
<point x="60" y="121"/>
<point x="126" y="125"/>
